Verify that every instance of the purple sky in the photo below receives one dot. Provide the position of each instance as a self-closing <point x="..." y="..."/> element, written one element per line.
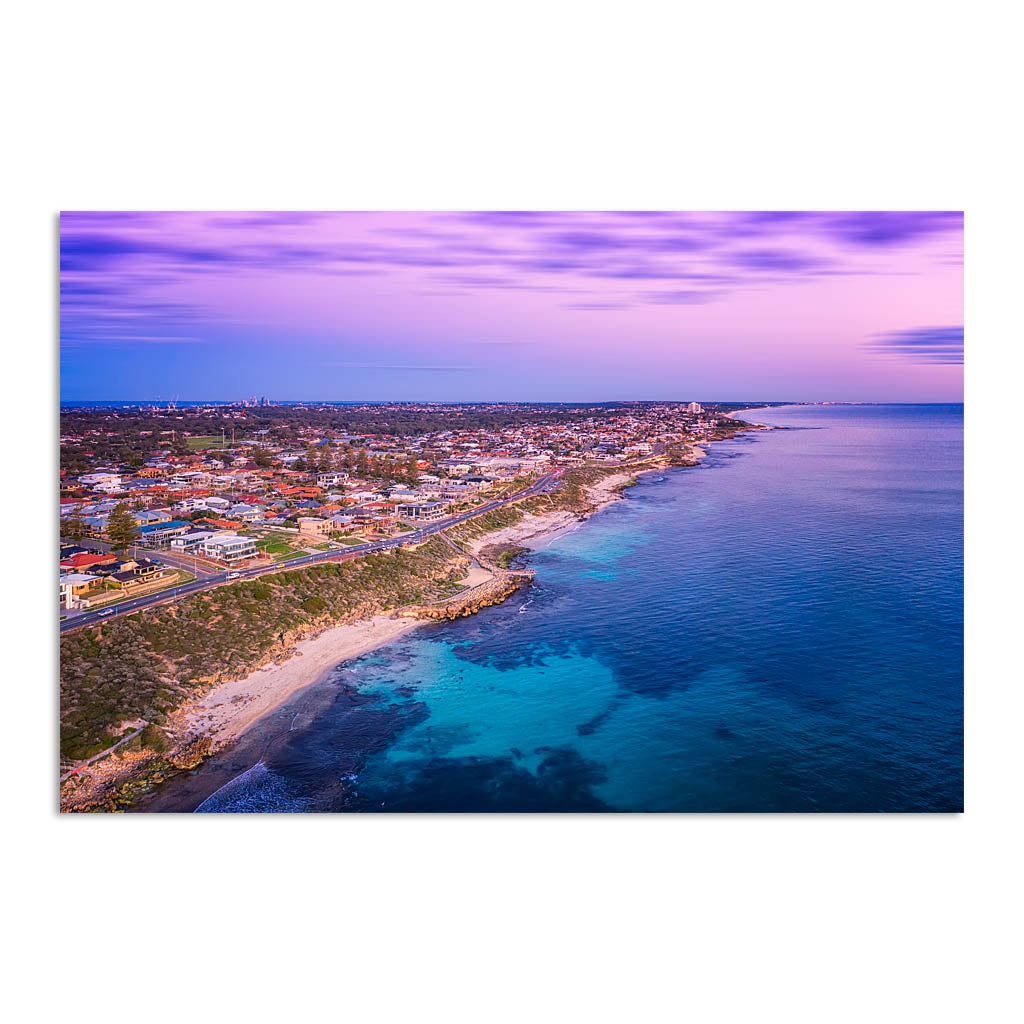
<point x="517" y="306"/>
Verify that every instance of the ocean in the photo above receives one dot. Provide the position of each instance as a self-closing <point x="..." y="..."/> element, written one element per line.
<point x="778" y="629"/>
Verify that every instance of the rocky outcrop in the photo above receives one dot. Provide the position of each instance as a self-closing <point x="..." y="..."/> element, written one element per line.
<point x="190" y="754"/>
<point x="494" y="591"/>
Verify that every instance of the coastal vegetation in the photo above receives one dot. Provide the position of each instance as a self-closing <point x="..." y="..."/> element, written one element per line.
<point x="502" y="554"/>
<point x="572" y="495"/>
<point x="147" y="664"/>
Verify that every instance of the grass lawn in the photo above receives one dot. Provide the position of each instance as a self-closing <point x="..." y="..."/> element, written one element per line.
<point x="272" y="543"/>
<point x="199" y="444"/>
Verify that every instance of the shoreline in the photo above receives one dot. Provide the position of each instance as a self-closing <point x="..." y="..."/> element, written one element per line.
<point x="222" y="717"/>
<point x="231" y="708"/>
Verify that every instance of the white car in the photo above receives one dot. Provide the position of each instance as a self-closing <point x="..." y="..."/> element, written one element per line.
<point x="107" y="611"/>
<point x="233" y="575"/>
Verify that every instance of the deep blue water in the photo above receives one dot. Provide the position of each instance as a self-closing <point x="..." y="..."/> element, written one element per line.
<point x="780" y="629"/>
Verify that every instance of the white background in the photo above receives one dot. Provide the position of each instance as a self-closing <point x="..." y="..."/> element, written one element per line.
<point x="512" y="106"/>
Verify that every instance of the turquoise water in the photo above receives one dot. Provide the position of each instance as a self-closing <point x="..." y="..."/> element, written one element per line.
<point x="779" y="629"/>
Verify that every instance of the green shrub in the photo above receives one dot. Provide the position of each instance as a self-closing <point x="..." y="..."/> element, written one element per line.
<point x="314" y="605"/>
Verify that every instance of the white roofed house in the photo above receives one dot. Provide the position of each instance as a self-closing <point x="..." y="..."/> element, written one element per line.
<point x="424" y="511"/>
<point x="191" y="540"/>
<point x="73" y="585"/>
<point x="229" y="547"/>
<point x="103" y="481"/>
<point x="330" y="479"/>
<point x="401" y="492"/>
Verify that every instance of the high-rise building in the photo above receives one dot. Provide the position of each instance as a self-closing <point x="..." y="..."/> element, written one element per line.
<point x="695" y="407"/>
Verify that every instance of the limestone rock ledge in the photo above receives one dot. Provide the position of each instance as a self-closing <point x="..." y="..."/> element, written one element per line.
<point x="494" y="591"/>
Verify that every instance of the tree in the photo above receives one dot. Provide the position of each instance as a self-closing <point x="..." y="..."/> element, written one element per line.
<point x="74" y="526"/>
<point x="121" y="527"/>
<point x="363" y="464"/>
<point x="412" y="471"/>
<point x="261" y="458"/>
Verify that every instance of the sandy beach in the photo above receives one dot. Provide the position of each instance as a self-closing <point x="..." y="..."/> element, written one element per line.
<point x="230" y="708"/>
<point x="533" y="529"/>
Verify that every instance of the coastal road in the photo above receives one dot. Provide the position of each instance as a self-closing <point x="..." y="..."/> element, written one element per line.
<point x="542" y="485"/>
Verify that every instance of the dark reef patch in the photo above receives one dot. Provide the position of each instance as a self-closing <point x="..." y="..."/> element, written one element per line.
<point x="564" y="781"/>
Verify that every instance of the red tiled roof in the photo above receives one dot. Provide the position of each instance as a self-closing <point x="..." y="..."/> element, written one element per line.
<point x="81" y="561"/>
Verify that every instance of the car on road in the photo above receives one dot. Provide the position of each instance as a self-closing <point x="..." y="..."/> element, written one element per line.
<point x="233" y="575"/>
<point x="107" y="611"/>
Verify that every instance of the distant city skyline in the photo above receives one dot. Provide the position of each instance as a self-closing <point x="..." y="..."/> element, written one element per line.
<point x="513" y="306"/>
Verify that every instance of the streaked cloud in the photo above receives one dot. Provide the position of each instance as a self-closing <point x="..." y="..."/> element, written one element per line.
<point x="921" y="344"/>
<point x="394" y="366"/>
<point x="253" y="299"/>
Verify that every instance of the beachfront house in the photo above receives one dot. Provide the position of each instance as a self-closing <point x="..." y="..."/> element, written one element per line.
<point x="311" y="526"/>
<point x="228" y="547"/>
<point x="74" y="585"/>
<point x="424" y="511"/>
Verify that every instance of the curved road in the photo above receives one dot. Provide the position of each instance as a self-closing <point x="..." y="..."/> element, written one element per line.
<point x="543" y="484"/>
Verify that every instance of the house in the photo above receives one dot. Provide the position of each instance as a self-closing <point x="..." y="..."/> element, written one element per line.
<point x="246" y="513"/>
<point x="425" y="511"/>
<point x="401" y="492"/>
<point x="313" y="527"/>
<point x="137" y="574"/>
<point x="159" y="535"/>
<point x="454" y="490"/>
<point x="146" y="518"/>
<point x="191" y="539"/>
<point x="96" y="526"/>
<point x="330" y="479"/>
<point x="229" y="547"/>
<point x="103" y="481"/>
<point x="73" y="585"/>
<point x="84" y="560"/>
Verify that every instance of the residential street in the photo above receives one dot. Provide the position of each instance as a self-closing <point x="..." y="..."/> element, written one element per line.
<point x="208" y="579"/>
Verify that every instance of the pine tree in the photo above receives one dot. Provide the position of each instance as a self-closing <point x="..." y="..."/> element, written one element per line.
<point x="121" y="527"/>
<point x="412" y="471"/>
<point x="74" y="526"/>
